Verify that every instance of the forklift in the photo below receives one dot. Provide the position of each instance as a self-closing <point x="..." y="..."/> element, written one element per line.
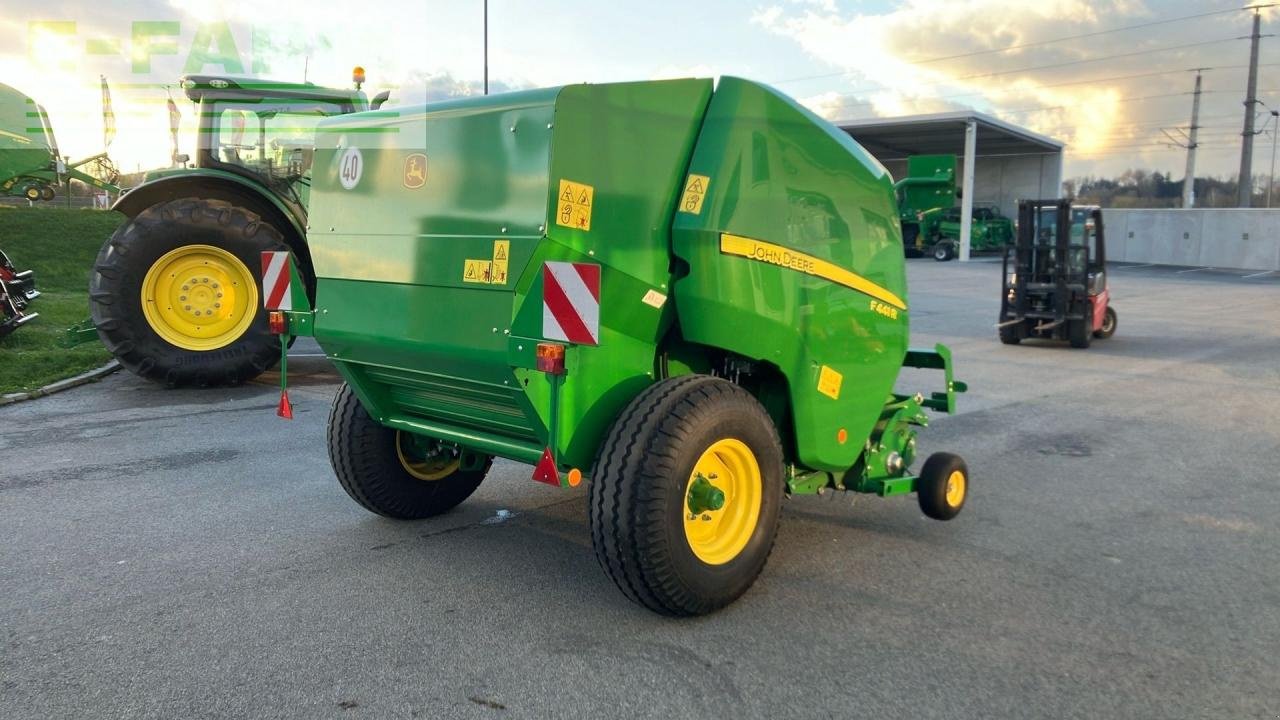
<point x="1055" y="280"/>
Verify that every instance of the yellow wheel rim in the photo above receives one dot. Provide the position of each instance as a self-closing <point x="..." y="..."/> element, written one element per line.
<point x="955" y="488"/>
<point x="199" y="297"/>
<point x="716" y="536"/>
<point x="425" y="468"/>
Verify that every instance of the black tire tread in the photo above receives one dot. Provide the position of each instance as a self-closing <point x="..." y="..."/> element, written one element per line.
<point x="362" y="453"/>
<point x="628" y="519"/>
<point x="115" y="308"/>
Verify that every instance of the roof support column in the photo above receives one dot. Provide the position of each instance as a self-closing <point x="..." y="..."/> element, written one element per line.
<point x="966" y="187"/>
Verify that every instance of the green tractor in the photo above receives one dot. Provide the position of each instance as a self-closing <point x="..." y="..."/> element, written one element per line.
<point x="989" y="231"/>
<point x="928" y="189"/>
<point x="30" y="165"/>
<point x="691" y="296"/>
<point x="174" y="294"/>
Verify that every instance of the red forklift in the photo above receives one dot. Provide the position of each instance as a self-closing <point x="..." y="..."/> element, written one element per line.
<point x="16" y="290"/>
<point x="1055" y="279"/>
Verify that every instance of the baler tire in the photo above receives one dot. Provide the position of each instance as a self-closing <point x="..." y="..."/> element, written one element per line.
<point x="637" y="497"/>
<point x="1079" y="333"/>
<point x="32" y="193"/>
<point x="942" y="252"/>
<point x="115" y="292"/>
<point x="1108" y="325"/>
<point x="47" y="194"/>
<point x="362" y="452"/>
<point x="935" y="486"/>
<point x="1009" y="335"/>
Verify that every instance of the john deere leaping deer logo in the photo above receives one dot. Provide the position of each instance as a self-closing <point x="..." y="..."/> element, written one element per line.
<point x="415" y="171"/>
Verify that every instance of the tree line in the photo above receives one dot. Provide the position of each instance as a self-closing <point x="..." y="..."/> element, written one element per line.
<point x="1138" y="188"/>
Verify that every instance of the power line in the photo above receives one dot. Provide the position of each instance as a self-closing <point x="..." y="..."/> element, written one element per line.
<point x="1021" y="46"/>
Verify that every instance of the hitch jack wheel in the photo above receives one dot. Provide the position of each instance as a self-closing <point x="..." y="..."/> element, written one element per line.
<point x="943" y="486"/>
<point x="685" y="496"/>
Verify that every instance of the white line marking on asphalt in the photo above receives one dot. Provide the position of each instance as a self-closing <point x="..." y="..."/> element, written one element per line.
<point x="1265" y="272"/>
<point x="1134" y="267"/>
<point x="1192" y="270"/>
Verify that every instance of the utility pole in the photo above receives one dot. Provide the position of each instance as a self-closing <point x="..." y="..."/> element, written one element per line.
<point x="1245" y="197"/>
<point x="1275" y="130"/>
<point x="486" y="47"/>
<point x="1189" y="179"/>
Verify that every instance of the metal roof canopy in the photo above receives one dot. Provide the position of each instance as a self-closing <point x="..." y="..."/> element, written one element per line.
<point x="945" y="133"/>
<point x="937" y="133"/>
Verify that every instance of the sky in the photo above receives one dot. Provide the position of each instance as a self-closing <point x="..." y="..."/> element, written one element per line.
<point x="1119" y="98"/>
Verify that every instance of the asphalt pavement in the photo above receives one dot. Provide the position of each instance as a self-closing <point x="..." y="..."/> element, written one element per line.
<point x="186" y="554"/>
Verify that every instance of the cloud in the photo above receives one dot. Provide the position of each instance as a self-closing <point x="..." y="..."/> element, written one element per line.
<point x="923" y="56"/>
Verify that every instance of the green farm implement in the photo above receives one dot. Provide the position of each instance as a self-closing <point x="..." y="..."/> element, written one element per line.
<point x="172" y="295"/>
<point x="928" y="189"/>
<point x="30" y="166"/>
<point x="692" y="297"/>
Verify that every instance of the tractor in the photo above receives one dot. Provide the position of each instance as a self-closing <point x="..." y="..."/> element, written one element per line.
<point x="690" y="295"/>
<point x="927" y="190"/>
<point x="1055" y="276"/>
<point x="172" y="294"/>
<point x="989" y="231"/>
<point x="30" y="165"/>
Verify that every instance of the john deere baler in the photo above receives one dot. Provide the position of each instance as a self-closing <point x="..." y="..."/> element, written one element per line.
<point x="692" y="296"/>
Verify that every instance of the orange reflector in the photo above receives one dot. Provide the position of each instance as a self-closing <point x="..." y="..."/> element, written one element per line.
<point x="842" y="436"/>
<point x="357" y="74"/>
<point x="276" y="322"/>
<point x="575" y="477"/>
<point x="550" y="358"/>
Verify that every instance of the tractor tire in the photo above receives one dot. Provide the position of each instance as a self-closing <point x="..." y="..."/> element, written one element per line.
<point x="1079" y="333"/>
<point x="679" y="435"/>
<point x="47" y="194"/>
<point x="1108" y="325"/>
<point x="943" y="252"/>
<point x="943" y="486"/>
<point x="1009" y="335"/>
<point x="371" y="466"/>
<point x="210" y="245"/>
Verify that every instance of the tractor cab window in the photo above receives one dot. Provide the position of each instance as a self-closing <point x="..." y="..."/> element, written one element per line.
<point x="273" y="140"/>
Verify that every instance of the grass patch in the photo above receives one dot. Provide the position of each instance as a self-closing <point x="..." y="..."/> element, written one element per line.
<point x="60" y="245"/>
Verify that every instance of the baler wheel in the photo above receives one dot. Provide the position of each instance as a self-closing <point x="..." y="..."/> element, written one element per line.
<point x="1108" y="325"/>
<point x="368" y="459"/>
<point x="685" y="496"/>
<point x="175" y="294"/>
<point x="47" y="194"/>
<point x="32" y="193"/>
<point x="943" y="486"/>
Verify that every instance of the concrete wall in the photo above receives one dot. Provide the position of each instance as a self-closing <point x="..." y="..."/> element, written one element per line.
<point x="1222" y="238"/>
<point x="1004" y="180"/>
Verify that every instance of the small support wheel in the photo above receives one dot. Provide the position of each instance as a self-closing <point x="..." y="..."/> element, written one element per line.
<point x="943" y="252"/>
<point x="1108" y="325"/>
<point x="943" y="486"/>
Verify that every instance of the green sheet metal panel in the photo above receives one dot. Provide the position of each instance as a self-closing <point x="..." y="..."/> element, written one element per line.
<point x="780" y="175"/>
<point x="25" y="139"/>
<point x="396" y="310"/>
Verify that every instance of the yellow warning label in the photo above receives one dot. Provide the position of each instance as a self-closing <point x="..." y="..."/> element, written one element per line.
<point x="477" y="271"/>
<point x="501" y="253"/>
<point x="573" y="205"/>
<point x="829" y="382"/>
<point x="695" y="191"/>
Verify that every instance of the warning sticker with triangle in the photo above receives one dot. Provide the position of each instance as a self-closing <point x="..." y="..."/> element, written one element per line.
<point x="574" y="207"/>
<point x="695" y="191"/>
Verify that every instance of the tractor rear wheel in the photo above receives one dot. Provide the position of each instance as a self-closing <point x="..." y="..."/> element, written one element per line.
<point x="174" y="298"/>
<point x="1108" y="325"/>
<point x="1079" y="332"/>
<point x="391" y="473"/>
<point x="685" y="496"/>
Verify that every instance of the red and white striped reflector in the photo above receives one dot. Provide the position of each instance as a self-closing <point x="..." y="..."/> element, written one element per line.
<point x="571" y="302"/>
<point x="275" y="281"/>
